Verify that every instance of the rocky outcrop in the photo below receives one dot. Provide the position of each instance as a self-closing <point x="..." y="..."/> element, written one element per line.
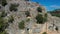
<point x="19" y="15"/>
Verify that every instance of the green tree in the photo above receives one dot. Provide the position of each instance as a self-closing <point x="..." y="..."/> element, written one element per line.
<point x="22" y="25"/>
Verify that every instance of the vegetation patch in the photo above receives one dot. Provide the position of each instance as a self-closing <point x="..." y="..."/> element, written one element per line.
<point x="57" y="15"/>
<point x="45" y="17"/>
<point x="28" y="20"/>
<point x="4" y="32"/>
<point x="44" y="33"/>
<point x="3" y="14"/>
<point x="56" y="29"/>
<point x="3" y="25"/>
<point x="21" y="25"/>
<point x="39" y="9"/>
<point x="55" y="12"/>
<point x="13" y="7"/>
<point x="3" y="2"/>
<point x="27" y="13"/>
<point x="40" y="19"/>
<point x="11" y="19"/>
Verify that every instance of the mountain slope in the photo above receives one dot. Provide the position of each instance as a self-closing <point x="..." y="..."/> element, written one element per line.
<point x="22" y="13"/>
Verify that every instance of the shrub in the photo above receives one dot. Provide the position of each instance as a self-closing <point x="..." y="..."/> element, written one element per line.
<point x="44" y="33"/>
<point x="4" y="2"/>
<point x="56" y="28"/>
<point x="13" y="7"/>
<point x="45" y="17"/>
<point x="39" y="9"/>
<point x="28" y="20"/>
<point x="22" y="25"/>
<point x="4" y="32"/>
<point x="40" y="19"/>
<point x="3" y="26"/>
<point x="3" y="14"/>
<point x="11" y="19"/>
<point x="27" y="13"/>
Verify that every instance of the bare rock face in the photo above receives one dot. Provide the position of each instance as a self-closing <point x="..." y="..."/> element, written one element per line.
<point x="19" y="15"/>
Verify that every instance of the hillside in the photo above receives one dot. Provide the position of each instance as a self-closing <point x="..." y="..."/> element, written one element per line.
<point x="26" y="17"/>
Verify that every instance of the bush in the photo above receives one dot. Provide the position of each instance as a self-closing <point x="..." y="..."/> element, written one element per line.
<point x="3" y="26"/>
<point x="22" y="25"/>
<point x="11" y="19"/>
<point x="45" y="17"/>
<point x="3" y="14"/>
<point x="13" y="7"/>
<point x="4" y="2"/>
<point x="44" y="33"/>
<point x="40" y="19"/>
<point x="3" y="23"/>
<point x="27" y="13"/>
<point x="4" y="32"/>
<point x="56" y="28"/>
<point x="39" y="9"/>
<point x="28" y="20"/>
